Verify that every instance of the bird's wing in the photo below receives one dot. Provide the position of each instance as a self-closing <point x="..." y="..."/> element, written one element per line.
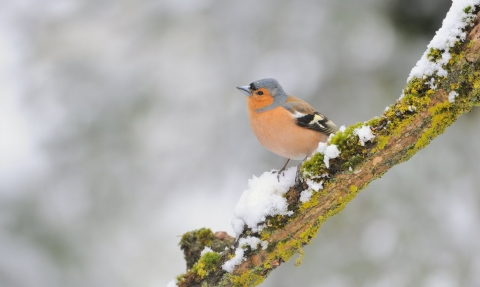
<point x="307" y="117"/>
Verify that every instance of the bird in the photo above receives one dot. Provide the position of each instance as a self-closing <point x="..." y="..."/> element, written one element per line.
<point x="284" y="124"/>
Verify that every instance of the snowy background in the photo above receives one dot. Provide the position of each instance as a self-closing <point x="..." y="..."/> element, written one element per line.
<point x="121" y="129"/>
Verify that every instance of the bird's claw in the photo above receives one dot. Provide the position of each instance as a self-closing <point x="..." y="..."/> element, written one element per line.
<point x="298" y="177"/>
<point x="279" y="172"/>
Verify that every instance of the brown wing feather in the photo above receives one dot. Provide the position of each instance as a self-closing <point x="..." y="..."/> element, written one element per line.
<point x="306" y="116"/>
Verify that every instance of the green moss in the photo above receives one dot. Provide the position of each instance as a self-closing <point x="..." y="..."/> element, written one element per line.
<point x="351" y="152"/>
<point x="207" y="263"/>
<point x="315" y="165"/>
<point x="203" y="236"/>
<point x="342" y="139"/>
<point x="193" y="242"/>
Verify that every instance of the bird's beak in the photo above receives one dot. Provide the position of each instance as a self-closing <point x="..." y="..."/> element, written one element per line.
<point x="245" y="90"/>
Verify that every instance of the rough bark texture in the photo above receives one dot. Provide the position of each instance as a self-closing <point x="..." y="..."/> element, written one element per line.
<point x="408" y="126"/>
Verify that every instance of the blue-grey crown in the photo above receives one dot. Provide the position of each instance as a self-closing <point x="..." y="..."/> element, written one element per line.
<point x="270" y="84"/>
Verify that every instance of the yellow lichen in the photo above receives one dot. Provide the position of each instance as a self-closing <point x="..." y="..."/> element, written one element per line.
<point x="246" y="279"/>
<point x="301" y="254"/>
<point x="312" y="202"/>
<point x="265" y="236"/>
<point x="381" y="142"/>
<point x="476" y="84"/>
<point x="441" y="118"/>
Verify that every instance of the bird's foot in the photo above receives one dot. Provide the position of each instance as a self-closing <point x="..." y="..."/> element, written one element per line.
<point x="279" y="172"/>
<point x="298" y="176"/>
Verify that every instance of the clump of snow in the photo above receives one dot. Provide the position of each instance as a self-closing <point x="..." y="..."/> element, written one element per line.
<point x="387" y="108"/>
<point x="451" y="96"/>
<point x="364" y="134"/>
<point x="432" y="84"/>
<point x="306" y="195"/>
<point x="314" y="185"/>
<point x="329" y="152"/>
<point x="322" y="147"/>
<point x="264" y="197"/>
<point x="253" y="242"/>
<point x="450" y="32"/>
<point x="205" y="250"/>
<point x="237" y="259"/>
<point x="238" y="225"/>
<point x="172" y="283"/>
<point x="342" y="129"/>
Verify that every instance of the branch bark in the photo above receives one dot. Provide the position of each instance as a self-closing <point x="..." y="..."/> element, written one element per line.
<point x="407" y="126"/>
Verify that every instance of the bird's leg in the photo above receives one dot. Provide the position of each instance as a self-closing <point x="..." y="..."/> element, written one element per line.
<point x="282" y="170"/>
<point x="297" y="176"/>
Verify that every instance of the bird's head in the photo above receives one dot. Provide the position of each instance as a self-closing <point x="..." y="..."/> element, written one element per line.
<point x="265" y="92"/>
<point x="265" y="87"/>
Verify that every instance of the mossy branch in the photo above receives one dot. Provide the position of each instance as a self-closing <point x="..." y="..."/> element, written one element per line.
<point x="423" y="113"/>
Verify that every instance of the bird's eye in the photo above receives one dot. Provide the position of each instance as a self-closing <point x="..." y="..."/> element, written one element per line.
<point x="259" y="93"/>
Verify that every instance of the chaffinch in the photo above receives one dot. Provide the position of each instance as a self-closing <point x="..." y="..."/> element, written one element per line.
<point x="285" y="125"/>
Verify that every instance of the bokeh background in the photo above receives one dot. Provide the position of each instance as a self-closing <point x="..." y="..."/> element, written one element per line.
<point x="121" y="129"/>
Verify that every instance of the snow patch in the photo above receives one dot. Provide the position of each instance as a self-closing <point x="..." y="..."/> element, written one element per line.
<point x="264" y="197"/>
<point x="253" y="242"/>
<point x="236" y="260"/>
<point x="316" y="186"/>
<point x="243" y="243"/>
<point x="451" y="96"/>
<point x="329" y="152"/>
<point x="364" y="134"/>
<point x="306" y="195"/>
<point x="312" y="186"/>
<point x="450" y="32"/>
<point x="238" y="225"/>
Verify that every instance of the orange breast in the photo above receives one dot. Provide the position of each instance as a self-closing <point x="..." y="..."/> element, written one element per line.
<point x="255" y="102"/>
<point x="277" y="131"/>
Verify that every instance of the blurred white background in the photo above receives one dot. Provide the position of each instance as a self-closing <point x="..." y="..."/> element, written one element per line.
<point x="121" y="129"/>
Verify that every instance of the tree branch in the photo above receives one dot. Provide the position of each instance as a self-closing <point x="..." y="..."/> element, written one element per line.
<point x="424" y="112"/>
